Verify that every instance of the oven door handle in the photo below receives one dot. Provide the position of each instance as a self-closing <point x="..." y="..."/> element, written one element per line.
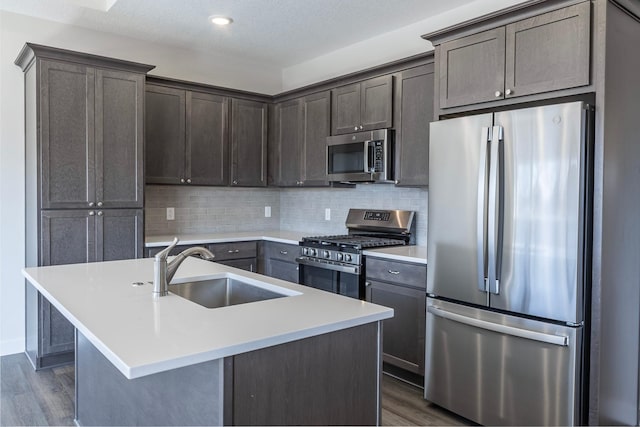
<point x="352" y="269"/>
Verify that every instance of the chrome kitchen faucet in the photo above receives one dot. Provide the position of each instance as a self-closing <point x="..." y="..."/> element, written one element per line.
<point x="164" y="271"/>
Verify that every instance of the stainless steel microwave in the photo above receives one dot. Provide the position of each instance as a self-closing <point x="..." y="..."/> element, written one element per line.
<point x="361" y="157"/>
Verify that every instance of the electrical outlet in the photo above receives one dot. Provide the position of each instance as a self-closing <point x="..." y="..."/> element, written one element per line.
<point x="327" y="214"/>
<point x="171" y="214"/>
<point x="267" y="211"/>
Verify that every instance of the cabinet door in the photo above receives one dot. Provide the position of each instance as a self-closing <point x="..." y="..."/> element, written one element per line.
<point x="67" y="237"/>
<point x="548" y="52"/>
<point x="316" y="129"/>
<point x="283" y="270"/>
<point x="119" y="234"/>
<point x="67" y="135"/>
<point x="207" y="139"/>
<point x="289" y="143"/>
<point x="119" y="138"/>
<point x="403" y="340"/>
<point x="248" y="143"/>
<point x="414" y="112"/>
<point x="247" y="264"/>
<point x="472" y="69"/>
<point x="164" y="135"/>
<point x="376" y="103"/>
<point x="345" y="109"/>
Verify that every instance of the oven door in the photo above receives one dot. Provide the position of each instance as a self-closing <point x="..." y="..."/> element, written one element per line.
<point x="337" y="282"/>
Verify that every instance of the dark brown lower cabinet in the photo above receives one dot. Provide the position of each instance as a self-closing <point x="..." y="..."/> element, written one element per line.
<point x="279" y="260"/>
<point x="401" y="286"/>
<point x="69" y="237"/>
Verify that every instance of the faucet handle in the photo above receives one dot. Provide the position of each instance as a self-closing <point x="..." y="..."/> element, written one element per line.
<point x="165" y="252"/>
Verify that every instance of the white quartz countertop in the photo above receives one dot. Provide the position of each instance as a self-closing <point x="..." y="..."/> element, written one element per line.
<point x="417" y="254"/>
<point x="291" y="237"/>
<point x="141" y="335"/>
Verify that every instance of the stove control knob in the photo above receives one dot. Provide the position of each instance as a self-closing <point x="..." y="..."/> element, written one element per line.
<point x="326" y="254"/>
<point x="313" y="252"/>
<point x="347" y="257"/>
<point x="339" y="256"/>
<point x="305" y="251"/>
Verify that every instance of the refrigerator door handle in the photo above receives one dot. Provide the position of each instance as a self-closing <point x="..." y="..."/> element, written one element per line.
<point x="482" y="210"/>
<point x="560" y="340"/>
<point x="494" y="205"/>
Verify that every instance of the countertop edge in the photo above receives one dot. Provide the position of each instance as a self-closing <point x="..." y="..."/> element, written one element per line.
<point x="395" y="257"/>
<point x="224" y="239"/>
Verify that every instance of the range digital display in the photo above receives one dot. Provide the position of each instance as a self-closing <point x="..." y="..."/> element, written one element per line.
<point x="376" y="216"/>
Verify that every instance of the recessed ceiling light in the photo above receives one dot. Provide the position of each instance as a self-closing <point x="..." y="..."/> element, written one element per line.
<point x="220" y="20"/>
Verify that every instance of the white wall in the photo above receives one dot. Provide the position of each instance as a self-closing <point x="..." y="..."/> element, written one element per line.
<point x="386" y="47"/>
<point x="15" y="30"/>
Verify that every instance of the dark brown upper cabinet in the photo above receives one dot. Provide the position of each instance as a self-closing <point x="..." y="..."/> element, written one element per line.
<point x="545" y="53"/>
<point x="288" y="144"/>
<point x="300" y="130"/>
<point x="248" y="143"/>
<point x="362" y="106"/>
<point x="186" y="137"/>
<point x="315" y="130"/>
<point x="91" y="144"/>
<point x="414" y="112"/>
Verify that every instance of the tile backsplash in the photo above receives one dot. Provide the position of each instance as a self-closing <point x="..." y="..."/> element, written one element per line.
<point x="220" y="209"/>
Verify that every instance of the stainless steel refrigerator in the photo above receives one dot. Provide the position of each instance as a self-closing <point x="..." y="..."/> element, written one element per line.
<point x="508" y="248"/>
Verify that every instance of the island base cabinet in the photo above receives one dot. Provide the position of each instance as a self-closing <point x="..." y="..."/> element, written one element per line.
<point x="329" y="379"/>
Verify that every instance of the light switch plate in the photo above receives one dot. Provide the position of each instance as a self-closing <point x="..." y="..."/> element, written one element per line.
<point x="267" y="211"/>
<point x="171" y="214"/>
<point x="327" y="214"/>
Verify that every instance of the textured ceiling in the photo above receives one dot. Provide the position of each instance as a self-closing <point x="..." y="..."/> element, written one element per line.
<point x="280" y="32"/>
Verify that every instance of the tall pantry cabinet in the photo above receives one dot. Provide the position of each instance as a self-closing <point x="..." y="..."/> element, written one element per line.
<point x="84" y="118"/>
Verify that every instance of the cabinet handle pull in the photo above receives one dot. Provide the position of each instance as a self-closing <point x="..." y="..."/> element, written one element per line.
<point x="231" y="251"/>
<point x="235" y="182"/>
<point x="508" y="92"/>
<point x="355" y="128"/>
<point x="284" y="252"/>
<point x="91" y="204"/>
<point x="182" y="180"/>
<point x="498" y="94"/>
<point x="99" y="204"/>
<point x="367" y="284"/>
<point x="360" y="127"/>
<point x="393" y="272"/>
<point x="91" y="213"/>
<point x="188" y="180"/>
<point x="99" y="213"/>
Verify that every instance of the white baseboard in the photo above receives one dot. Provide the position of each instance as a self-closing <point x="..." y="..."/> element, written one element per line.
<point x="8" y="347"/>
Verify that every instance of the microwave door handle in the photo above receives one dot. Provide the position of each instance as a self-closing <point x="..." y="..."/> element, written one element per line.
<point x="367" y="155"/>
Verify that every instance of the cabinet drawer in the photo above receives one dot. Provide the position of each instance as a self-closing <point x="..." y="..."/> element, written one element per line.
<point x="281" y="251"/>
<point x="152" y="251"/>
<point x="397" y="272"/>
<point x="234" y="250"/>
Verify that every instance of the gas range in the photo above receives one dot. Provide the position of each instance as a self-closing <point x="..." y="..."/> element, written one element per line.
<point x="367" y="229"/>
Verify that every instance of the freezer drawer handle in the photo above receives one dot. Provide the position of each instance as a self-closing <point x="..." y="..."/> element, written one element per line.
<point x="560" y="340"/>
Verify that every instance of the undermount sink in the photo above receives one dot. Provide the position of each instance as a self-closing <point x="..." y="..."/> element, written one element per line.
<point x="226" y="291"/>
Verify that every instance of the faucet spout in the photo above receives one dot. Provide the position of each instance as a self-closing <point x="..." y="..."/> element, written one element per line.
<point x="163" y="270"/>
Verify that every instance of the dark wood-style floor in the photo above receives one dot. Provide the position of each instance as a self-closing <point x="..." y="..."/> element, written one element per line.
<point x="29" y="398"/>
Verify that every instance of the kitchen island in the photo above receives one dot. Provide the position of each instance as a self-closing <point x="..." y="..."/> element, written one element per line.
<point x="308" y="357"/>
